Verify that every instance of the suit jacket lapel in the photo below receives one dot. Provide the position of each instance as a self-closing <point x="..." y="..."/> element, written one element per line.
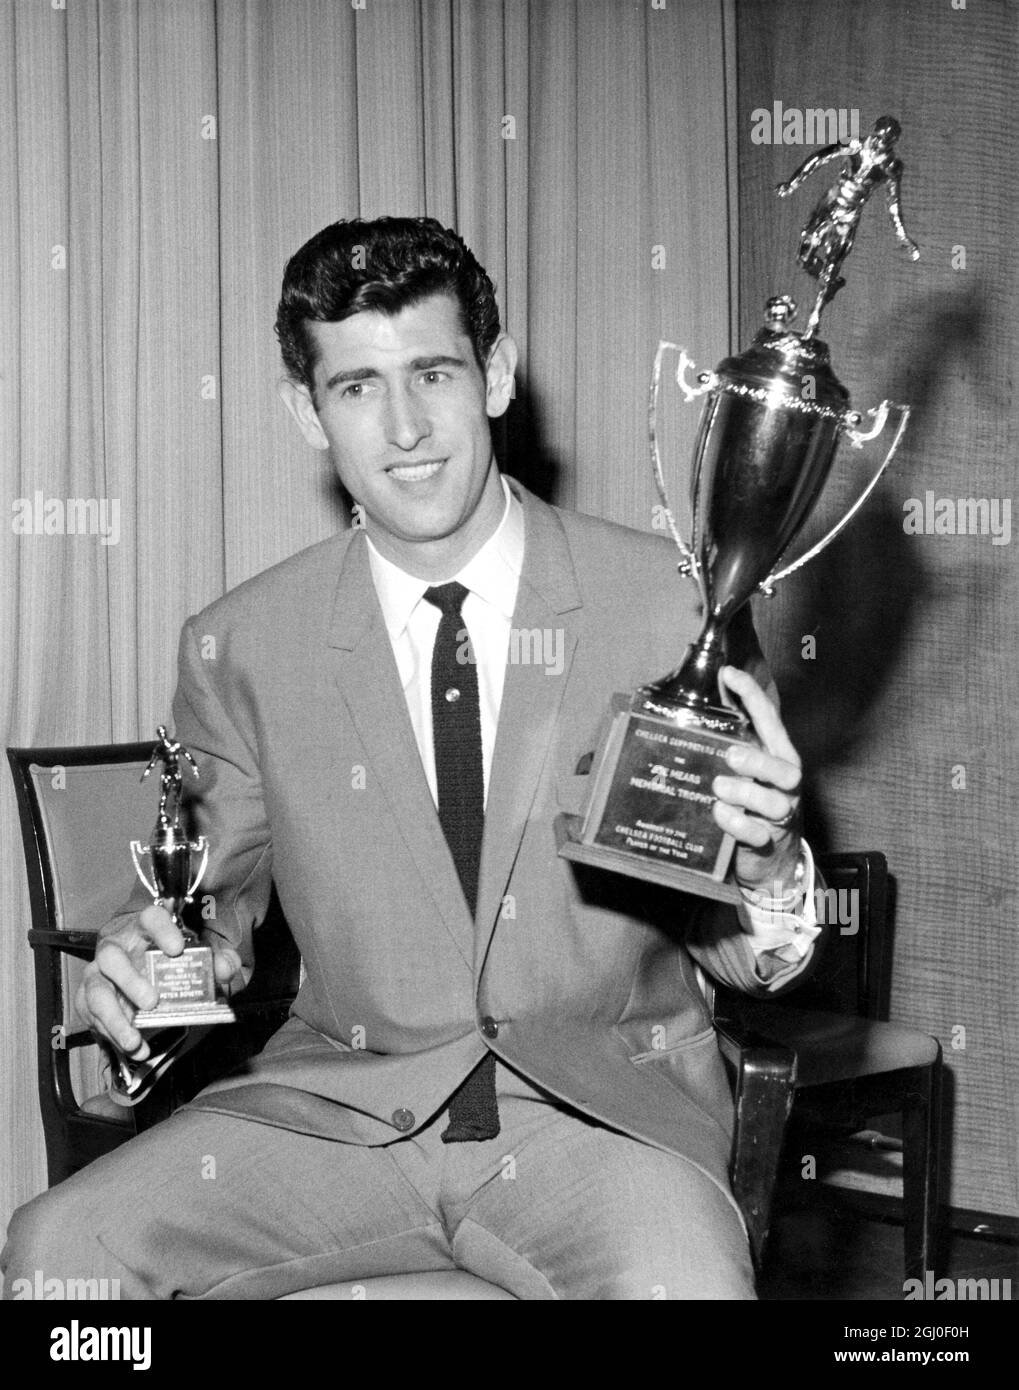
<point x="548" y="600"/>
<point x="369" y="683"/>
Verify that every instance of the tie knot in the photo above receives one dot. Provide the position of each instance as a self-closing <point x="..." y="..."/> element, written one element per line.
<point x="447" y="597"/>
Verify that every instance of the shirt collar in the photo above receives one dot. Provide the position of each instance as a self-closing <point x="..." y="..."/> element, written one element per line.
<point x="493" y="573"/>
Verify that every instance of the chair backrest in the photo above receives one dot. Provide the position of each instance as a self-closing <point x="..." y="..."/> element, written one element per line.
<point x="852" y="972"/>
<point x="80" y="809"/>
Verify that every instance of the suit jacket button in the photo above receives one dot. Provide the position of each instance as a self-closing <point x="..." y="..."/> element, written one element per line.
<point x="489" y="1027"/>
<point x="403" y="1119"/>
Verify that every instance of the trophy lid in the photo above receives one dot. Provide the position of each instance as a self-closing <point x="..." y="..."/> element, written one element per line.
<point x="784" y="363"/>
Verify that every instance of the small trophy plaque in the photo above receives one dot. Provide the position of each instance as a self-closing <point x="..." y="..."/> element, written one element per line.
<point x="186" y="983"/>
<point x="768" y="436"/>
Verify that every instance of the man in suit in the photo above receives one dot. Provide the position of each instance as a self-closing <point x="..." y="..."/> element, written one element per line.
<point x="497" y="1060"/>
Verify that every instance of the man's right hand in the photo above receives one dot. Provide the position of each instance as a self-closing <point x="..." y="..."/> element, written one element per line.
<point x="115" y="984"/>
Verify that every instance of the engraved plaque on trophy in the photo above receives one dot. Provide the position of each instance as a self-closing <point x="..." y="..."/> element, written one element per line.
<point x="186" y="983"/>
<point x="770" y="428"/>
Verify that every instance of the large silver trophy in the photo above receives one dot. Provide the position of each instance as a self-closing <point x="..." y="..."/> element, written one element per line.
<point x="186" y="983"/>
<point x="769" y="432"/>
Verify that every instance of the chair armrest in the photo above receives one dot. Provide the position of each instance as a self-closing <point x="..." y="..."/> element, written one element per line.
<point x="764" y="1080"/>
<point x="73" y="943"/>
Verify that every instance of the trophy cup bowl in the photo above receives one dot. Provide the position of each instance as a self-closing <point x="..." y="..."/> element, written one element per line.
<point x="186" y="983"/>
<point x="768" y="437"/>
<point x="763" y="453"/>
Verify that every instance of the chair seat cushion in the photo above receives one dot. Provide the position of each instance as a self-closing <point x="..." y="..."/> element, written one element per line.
<point x="437" y="1285"/>
<point x="837" y="1047"/>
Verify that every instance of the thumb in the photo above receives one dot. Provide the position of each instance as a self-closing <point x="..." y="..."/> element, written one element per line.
<point x="227" y="967"/>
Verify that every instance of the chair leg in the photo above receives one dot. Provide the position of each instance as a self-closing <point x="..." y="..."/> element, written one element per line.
<point x="921" y="1120"/>
<point x="764" y="1097"/>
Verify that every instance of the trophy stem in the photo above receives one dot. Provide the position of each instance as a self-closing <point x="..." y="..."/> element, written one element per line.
<point x="694" y="685"/>
<point x="188" y="933"/>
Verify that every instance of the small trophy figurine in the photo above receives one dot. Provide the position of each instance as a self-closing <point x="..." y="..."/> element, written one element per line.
<point x="186" y="983"/>
<point x="768" y="436"/>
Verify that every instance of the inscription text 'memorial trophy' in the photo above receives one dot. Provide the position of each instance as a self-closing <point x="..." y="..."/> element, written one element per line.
<point x="769" y="432"/>
<point x="186" y="983"/>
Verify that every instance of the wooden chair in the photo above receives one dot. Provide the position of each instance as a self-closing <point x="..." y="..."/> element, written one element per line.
<point x="853" y="1064"/>
<point x="80" y="808"/>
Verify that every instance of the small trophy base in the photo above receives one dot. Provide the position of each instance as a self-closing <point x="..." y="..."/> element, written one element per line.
<point x="649" y="813"/>
<point x="187" y="991"/>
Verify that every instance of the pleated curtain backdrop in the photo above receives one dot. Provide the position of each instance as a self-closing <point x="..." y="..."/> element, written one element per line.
<point x="161" y="160"/>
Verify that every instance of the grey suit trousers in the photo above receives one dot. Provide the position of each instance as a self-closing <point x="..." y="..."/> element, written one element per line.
<point x="556" y="1207"/>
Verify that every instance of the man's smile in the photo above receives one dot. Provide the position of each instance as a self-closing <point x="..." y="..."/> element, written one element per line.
<point x="415" y="472"/>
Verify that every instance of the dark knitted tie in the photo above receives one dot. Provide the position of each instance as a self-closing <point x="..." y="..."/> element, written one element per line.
<point x="459" y="776"/>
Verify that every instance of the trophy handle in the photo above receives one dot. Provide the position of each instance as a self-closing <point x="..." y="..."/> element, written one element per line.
<point x="705" y="380"/>
<point x="201" y="844"/>
<point x="856" y="439"/>
<point x="688" y="565"/>
<point x="138" y="850"/>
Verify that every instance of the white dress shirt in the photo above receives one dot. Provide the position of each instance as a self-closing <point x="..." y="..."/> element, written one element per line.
<point x="493" y="576"/>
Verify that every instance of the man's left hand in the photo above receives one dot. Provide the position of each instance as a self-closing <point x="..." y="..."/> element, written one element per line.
<point x="759" y="804"/>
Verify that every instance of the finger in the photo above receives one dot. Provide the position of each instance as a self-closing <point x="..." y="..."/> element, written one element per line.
<point x="773" y="806"/>
<point x="748" y="830"/>
<point x="226" y="965"/>
<point x="109" y="1015"/>
<point x="114" y="964"/>
<point x="157" y="924"/>
<point x="763" y="714"/>
<point x="761" y="766"/>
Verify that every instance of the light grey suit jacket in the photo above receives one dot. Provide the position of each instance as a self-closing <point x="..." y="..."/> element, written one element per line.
<point x="290" y="701"/>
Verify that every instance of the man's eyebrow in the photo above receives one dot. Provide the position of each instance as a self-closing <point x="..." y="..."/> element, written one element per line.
<point x="418" y="364"/>
<point x="425" y="364"/>
<point x="357" y="374"/>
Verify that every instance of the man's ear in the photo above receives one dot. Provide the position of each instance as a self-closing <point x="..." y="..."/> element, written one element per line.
<point x="502" y="361"/>
<point x="297" y="399"/>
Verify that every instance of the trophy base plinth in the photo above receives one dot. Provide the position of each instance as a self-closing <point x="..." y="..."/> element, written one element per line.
<point x="187" y="991"/>
<point x="570" y="846"/>
<point x="649" y="813"/>
<point x="192" y="1017"/>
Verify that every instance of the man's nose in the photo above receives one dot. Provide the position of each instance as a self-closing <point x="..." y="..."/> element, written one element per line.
<point x="407" y="420"/>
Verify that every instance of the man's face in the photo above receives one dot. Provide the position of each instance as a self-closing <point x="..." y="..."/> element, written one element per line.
<point x="403" y="406"/>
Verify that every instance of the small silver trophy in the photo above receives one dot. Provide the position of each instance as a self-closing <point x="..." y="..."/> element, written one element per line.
<point x="186" y="983"/>
<point x="769" y="432"/>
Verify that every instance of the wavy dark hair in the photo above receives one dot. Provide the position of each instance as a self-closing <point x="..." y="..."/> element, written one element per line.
<point x="385" y="264"/>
